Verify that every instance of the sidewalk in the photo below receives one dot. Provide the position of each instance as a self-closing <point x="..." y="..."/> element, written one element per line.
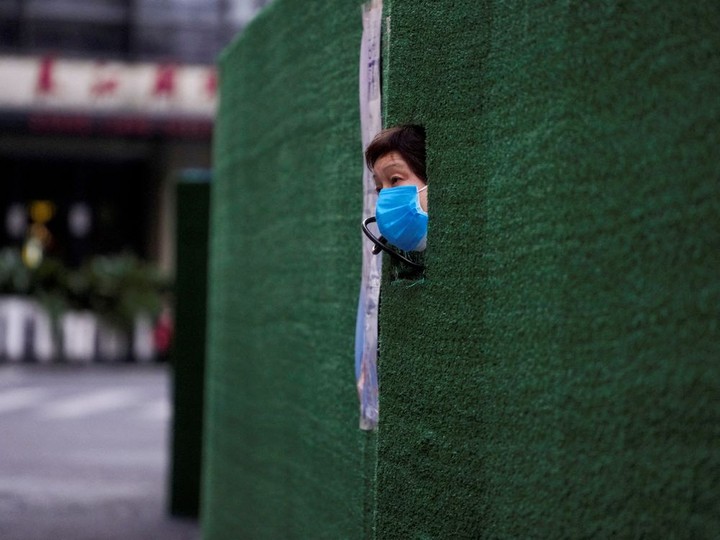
<point x="128" y="520"/>
<point x="84" y="454"/>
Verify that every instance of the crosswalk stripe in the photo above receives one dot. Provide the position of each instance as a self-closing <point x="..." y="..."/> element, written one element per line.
<point x="159" y="410"/>
<point x="90" y="404"/>
<point x="19" y="398"/>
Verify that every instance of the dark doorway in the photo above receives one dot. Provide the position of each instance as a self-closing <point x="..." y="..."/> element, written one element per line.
<point x="92" y="206"/>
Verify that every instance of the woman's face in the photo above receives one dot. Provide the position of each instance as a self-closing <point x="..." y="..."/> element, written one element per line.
<point x="391" y="170"/>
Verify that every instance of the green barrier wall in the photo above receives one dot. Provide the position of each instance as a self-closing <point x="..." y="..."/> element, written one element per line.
<point x="188" y="355"/>
<point x="284" y="455"/>
<point x="556" y="373"/>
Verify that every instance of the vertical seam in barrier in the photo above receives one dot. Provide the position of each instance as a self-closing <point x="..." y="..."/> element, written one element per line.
<point x="385" y="65"/>
<point x="370" y="437"/>
<point x="370" y="474"/>
<point x="373" y="440"/>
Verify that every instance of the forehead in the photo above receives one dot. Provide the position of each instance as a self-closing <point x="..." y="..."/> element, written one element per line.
<point x="389" y="162"/>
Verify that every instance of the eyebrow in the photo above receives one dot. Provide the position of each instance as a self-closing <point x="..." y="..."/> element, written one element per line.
<point x="393" y="165"/>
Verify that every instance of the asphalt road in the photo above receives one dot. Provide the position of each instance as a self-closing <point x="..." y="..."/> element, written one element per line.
<point x="84" y="454"/>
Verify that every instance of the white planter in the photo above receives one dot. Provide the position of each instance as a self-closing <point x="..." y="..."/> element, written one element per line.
<point x="26" y="331"/>
<point x="79" y="329"/>
<point x="16" y="317"/>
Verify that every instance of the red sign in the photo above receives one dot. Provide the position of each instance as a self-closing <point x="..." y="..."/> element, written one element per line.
<point x="164" y="82"/>
<point x="45" y="83"/>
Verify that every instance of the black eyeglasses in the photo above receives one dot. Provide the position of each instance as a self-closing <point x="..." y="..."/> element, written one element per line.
<point x="382" y="245"/>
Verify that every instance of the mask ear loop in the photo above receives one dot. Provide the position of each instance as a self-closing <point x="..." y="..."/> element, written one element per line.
<point x="381" y="244"/>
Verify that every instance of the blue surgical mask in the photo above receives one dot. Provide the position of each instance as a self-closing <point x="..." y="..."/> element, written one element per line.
<point x="400" y="218"/>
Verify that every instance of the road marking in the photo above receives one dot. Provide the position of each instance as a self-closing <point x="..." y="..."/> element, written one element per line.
<point x="89" y="404"/>
<point x="43" y="491"/>
<point x="20" y="398"/>
<point x="159" y="410"/>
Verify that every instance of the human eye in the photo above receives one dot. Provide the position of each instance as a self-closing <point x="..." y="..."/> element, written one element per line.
<point x="395" y="179"/>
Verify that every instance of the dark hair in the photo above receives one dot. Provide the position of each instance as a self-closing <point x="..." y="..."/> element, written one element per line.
<point x="407" y="140"/>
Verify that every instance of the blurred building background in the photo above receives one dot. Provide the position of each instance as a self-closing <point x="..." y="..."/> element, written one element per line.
<point x="102" y="104"/>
